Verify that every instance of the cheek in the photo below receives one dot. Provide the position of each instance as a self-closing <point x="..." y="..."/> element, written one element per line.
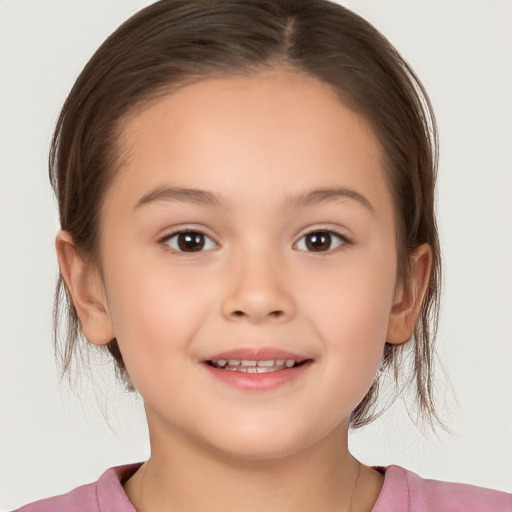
<point x="155" y="315"/>
<point x="353" y="300"/>
<point x="351" y="316"/>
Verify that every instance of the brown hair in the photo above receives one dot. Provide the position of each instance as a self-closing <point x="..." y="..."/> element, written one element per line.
<point x="175" y="42"/>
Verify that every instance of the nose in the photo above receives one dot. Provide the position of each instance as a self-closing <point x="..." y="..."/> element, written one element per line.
<point x="258" y="292"/>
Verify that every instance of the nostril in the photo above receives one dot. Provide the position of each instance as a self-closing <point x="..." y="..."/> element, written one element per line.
<point x="256" y="314"/>
<point x="273" y="314"/>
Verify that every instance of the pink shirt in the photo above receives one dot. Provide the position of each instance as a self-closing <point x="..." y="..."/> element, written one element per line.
<point x="403" y="491"/>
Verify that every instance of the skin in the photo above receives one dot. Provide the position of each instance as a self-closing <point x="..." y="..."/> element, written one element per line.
<point x="257" y="143"/>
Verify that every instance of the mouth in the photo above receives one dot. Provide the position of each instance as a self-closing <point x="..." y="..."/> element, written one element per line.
<point x="257" y="369"/>
<point x="255" y="366"/>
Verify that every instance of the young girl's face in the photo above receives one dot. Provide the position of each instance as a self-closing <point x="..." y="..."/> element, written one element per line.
<point x="250" y="220"/>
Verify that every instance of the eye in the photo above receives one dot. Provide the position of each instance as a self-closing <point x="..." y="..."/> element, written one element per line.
<point x="320" y="241"/>
<point x="189" y="241"/>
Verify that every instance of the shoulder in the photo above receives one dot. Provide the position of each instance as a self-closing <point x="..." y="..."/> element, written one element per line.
<point x="101" y="496"/>
<point x="406" y="491"/>
<point x="80" y="499"/>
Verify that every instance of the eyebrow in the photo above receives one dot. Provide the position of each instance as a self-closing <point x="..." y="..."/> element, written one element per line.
<point x="187" y="195"/>
<point x="204" y="197"/>
<point x="329" y="194"/>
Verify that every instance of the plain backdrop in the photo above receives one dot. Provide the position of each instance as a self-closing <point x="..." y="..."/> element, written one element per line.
<point x="52" y="440"/>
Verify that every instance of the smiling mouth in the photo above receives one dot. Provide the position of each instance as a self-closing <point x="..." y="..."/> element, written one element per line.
<point x="253" y="366"/>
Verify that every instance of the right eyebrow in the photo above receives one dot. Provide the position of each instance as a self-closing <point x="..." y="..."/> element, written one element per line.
<point x="330" y="194"/>
<point x="187" y="195"/>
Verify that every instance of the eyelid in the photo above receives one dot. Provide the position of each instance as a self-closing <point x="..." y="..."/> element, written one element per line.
<point x="164" y="240"/>
<point x="345" y="240"/>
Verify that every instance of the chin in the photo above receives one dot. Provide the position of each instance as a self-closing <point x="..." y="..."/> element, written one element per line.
<point x="264" y="444"/>
<point x="251" y="453"/>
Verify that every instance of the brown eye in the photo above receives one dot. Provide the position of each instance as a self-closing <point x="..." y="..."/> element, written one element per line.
<point x="190" y="241"/>
<point x="320" y="241"/>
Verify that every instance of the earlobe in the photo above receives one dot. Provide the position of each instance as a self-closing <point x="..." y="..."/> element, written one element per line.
<point x="409" y="298"/>
<point x="85" y="286"/>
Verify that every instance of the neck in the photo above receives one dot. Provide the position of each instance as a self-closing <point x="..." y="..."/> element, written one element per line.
<point x="180" y="475"/>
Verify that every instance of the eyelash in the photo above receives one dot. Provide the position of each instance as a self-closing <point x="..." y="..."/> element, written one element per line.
<point x="343" y="240"/>
<point x="167" y="238"/>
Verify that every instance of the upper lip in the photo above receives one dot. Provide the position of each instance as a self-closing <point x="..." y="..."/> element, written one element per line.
<point x="256" y="354"/>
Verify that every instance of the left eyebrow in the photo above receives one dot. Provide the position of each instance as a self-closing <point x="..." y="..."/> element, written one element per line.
<point x="330" y="194"/>
<point x="187" y="195"/>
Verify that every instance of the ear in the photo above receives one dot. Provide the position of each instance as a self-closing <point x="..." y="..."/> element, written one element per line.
<point x="85" y="285"/>
<point x="409" y="298"/>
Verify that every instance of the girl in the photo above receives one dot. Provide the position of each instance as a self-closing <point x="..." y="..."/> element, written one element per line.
<point x="246" y="194"/>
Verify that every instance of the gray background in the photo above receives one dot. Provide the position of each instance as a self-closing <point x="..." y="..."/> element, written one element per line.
<point x="52" y="440"/>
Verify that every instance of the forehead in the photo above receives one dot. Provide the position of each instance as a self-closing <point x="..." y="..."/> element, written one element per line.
<point x="277" y="128"/>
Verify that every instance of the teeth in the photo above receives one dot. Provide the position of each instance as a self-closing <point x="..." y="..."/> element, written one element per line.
<point x="267" y="369"/>
<point x="255" y="369"/>
<point x="253" y="366"/>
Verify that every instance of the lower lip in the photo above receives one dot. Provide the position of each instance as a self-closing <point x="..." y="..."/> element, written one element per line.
<point x="258" y="381"/>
